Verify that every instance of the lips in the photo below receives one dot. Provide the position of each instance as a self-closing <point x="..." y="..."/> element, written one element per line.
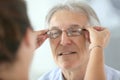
<point x="66" y="53"/>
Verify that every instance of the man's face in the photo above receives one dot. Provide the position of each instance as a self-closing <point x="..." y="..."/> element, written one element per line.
<point x="69" y="52"/>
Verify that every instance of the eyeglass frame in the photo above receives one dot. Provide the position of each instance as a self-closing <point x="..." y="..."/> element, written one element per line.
<point x="67" y="31"/>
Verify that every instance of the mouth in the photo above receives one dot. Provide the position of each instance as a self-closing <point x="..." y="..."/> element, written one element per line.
<point x="66" y="53"/>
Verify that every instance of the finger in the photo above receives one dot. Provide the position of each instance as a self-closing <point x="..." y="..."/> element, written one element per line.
<point x="41" y="37"/>
<point x="88" y="28"/>
<point x="98" y="28"/>
<point x="107" y="32"/>
<point x="40" y="40"/>
<point x="41" y="32"/>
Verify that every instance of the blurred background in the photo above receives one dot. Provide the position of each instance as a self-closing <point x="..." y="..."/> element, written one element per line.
<point x="108" y="12"/>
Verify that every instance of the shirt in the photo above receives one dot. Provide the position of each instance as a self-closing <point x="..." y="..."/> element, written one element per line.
<point x="56" y="74"/>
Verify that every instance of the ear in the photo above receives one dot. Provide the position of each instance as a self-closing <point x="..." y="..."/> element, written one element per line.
<point x="27" y="38"/>
<point x="87" y="36"/>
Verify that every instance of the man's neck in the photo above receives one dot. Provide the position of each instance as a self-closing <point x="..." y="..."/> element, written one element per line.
<point x="77" y="74"/>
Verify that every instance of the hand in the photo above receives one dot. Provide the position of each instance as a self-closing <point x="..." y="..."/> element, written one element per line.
<point x="41" y="37"/>
<point x="99" y="36"/>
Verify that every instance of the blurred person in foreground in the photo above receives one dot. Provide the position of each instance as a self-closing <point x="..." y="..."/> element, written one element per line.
<point x="77" y="42"/>
<point x="17" y="40"/>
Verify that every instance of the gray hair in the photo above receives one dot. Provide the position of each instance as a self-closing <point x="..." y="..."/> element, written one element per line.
<point x="75" y="6"/>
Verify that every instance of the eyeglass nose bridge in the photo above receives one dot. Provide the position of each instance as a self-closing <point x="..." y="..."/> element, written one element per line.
<point x="63" y="31"/>
<point x="68" y="33"/>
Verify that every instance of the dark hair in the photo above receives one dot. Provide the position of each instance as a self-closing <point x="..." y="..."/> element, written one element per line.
<point x="13" y="25"/>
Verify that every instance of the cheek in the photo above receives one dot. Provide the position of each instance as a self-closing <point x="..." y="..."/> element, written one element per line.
<point x="53" y="44"/>
<point x="80" y="42"/>
<point x="83" y="47"/>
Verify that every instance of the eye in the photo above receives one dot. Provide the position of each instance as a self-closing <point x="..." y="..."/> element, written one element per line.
<point x="54" y="33"/>
<point x="74" y="32"/>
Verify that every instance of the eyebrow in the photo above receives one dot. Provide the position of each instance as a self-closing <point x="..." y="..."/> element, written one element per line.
<point x="53" y="27"/>
<point x="75" y="25"/>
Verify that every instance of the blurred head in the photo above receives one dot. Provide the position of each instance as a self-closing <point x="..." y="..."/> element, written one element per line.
<point x="16" y="40"/>
<point x="68" y="39"/>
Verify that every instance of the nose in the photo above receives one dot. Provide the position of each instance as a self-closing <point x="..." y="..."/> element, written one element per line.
<point x="65" y="40"/>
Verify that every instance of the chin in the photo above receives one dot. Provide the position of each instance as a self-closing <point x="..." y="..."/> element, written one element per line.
<point x="67" y="66"/>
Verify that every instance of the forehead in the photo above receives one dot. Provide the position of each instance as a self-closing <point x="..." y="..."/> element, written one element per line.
<point x="65" y="18"/>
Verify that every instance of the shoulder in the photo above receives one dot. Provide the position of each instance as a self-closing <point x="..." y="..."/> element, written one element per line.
<point x="51" y="75"/>
<point x="112" y="74"/>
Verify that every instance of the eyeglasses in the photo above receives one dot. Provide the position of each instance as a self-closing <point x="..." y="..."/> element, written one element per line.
<point x="71" y="32"/>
